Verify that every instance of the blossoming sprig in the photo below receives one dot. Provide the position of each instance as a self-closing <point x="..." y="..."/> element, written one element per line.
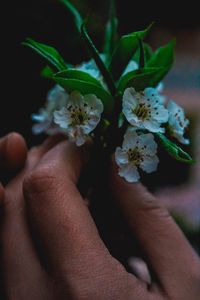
<point x="117" y="89"/>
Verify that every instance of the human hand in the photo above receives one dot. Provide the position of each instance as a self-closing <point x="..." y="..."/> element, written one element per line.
<point x="78" y="265"/>
<point x="13" y="152"/>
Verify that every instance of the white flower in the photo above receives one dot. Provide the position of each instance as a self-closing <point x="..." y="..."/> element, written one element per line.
<point x="80" y="116"/>
<point x="132" y="66"/>
<point x="91" y="68"/>
<point x="138" y="151"/>
<point x="144" y="110"/>
<point x="56" y="98"/>
<point x="177" y="122"/>
<point x="160" y="88"/>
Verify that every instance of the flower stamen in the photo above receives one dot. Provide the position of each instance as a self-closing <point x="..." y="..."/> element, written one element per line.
<point x="135" y="156"/>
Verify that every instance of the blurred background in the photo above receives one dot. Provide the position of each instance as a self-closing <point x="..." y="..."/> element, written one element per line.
<point x="24" y="91"/>
<point x="48" y="21"/>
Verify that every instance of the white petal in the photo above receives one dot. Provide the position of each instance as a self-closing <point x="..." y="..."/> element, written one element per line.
<point x="147" y="144"/>
<point x="152" y="95"/>
<point x="41" y="117"/>
<point x="91" y="124"/>
<point x="130" y="138"/>
<point x="180" y="138"/>
<point x="121" y="156"/>
<point x="89" y="67"/>
<point x="41" y="127"/>
<point x="132" y="118"/>
<point x="80" y="137"/>
<point x="132" y="66"/>
<point x="76" y="135"/>
<point x="150" y="164"/>
<point x="130" y="99"/>
<point x="80" y="140"/>
<point x="130" y="173"/>
<point x="177" y="122"/>
<point x="62" y="118"/>
<point x="130" y="102"/>
<point x="160" y="87"/>
<point x="175" y="125"/>
<point x="153" y="126"/>
<point x="57" y="96"/>
<point x="160" y="114"/>
<point x="172" y="107"/>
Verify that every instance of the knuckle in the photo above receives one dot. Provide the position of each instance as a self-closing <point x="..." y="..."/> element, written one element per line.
<point x="151" y="204"/>
<point x="39" y="181"/>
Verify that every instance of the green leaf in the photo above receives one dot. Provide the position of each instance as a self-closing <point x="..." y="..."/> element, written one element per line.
<point x="47" y="72"/>
<point x="141" y="79"/>
<point x="124" y="51"/>
<point x="75" y="13"/>
<point x="100" y="64"/>
<point x="48" y="52"/>
<point x="174" y="150"/>
<point x="148" y="52"/>
<point x="142" y="55"/>
<point x="78" y="74"/>
<point x="111" y="35"/>
<point x="85" y="88"/>
<point x="163" y="57"/>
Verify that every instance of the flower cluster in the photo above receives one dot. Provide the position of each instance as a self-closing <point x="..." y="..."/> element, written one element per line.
<point x="146" y="111"/>
<point x="120" y="87"/>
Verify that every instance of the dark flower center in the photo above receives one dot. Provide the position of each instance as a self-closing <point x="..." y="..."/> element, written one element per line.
<point x="135" y="156"/>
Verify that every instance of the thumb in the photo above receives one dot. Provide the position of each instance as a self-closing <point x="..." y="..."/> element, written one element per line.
<point x="164" y="245"/>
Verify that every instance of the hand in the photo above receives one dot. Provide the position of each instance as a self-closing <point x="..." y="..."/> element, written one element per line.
<point x="13" y="152"/>
<point x="78" y="265"/>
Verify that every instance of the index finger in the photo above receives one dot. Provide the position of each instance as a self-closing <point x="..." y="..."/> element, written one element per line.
<point x="59" y="215"/>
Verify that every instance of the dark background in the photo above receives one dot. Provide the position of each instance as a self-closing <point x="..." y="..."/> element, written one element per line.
<point x="23" y="91"/>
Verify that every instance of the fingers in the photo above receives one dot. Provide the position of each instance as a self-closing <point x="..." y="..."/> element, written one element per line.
<point x="59" y="214"/>
<point x="24" y="276"/>
<point x="163" y="243"/>
<point x="36" y="153"/>
<point x="13" y="151"/>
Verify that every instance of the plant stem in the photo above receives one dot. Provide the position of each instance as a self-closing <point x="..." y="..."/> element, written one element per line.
<point x="95" y="55"/>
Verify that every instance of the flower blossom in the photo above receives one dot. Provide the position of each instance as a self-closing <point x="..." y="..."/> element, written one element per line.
<point x="56" y="98"/>
<point x="177" y="122"/>
<point x="138" y="151"/>
<point x="91" y="68"/>
<point x="80" y="116"/>
<point x="145" y="110"/>
<point x="132" y="66"/>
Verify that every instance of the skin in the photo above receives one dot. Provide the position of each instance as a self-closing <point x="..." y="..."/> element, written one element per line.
<point x="43" y="201"/>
